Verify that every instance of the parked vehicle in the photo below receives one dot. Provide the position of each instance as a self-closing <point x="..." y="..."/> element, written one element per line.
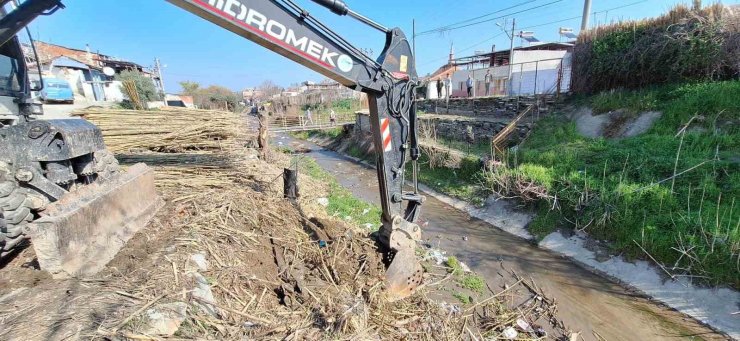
<point x="57" y="90"/>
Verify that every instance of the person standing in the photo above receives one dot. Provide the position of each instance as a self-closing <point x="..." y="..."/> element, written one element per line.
<point x="448" y="85"/>
<point x="309" y="117"/>
<point x="439" y="87"/>
<point x="469" y="83"/>
<point x="333" y="117"/>
<point x="488" y="80"/>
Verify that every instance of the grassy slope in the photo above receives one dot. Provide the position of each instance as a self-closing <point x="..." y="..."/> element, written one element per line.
<point x="460" y="182"/>
<point x="341" y="201"/>
<point x="613" y="189"/>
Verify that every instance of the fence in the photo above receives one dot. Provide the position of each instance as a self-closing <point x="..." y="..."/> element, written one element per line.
<point x="319" y="120"/>
<point x="540" y="77"/>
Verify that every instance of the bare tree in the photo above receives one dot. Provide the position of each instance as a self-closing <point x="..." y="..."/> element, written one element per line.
<point x="269" y="88"/>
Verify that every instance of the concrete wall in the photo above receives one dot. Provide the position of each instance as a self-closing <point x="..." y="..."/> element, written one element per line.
<point x="362" y="122"/>
<point x="456" y="129"/>
<point x="113" y="91"/>
<point x="537" y="73"/>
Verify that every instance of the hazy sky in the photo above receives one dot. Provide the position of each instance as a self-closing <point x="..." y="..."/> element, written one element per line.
<point x="194" y="49"/>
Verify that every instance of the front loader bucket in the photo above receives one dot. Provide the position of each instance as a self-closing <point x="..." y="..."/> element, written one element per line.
<point x="79" y="234"/>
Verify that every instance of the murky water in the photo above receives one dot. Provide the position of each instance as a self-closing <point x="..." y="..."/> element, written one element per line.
<point x="591" y="304"/>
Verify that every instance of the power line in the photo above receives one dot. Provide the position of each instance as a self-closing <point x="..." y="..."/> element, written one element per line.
<point x="446" y="29"/>
<point x="579" y="17"/>
<point x="552" y="22"/>
<point x="476" y="18"/>
<point x="623" y="6"/>
<point x="537" y="25"/>
<point x="465" y="49"/>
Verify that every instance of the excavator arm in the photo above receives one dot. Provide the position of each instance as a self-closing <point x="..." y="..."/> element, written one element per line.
<point x="289" y="30"/>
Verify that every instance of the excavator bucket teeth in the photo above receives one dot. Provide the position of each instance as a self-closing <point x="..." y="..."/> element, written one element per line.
<point x="79" y="234"/>
<point x="403" y="275"/>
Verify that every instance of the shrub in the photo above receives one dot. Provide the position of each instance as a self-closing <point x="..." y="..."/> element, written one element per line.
<point x="144" y="85"/>
<point x="682" y="45"/>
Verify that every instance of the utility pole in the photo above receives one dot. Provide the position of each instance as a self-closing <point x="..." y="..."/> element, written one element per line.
<point x="161" y="80"/>
<point x="586" y="14"/>
<point x="511" y="55"/>
<point x="413" y="39"/>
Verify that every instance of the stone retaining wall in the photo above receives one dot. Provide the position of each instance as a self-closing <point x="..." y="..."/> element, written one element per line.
<point x="471" y="130"/>
<point x="499" y="107"/>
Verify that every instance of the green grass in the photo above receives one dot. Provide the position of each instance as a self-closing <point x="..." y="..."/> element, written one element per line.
<point x="341" y="201"/>
<point x="332" y="133"/>
<point x="454" y="266"/>
<point x="480" y="148"/>
<point x="622" y="191"/>
<point x="357" y="152"/>
<point x="473" y="282"/>
<point x="461" y="182"/>
<point x="462" y="297"/>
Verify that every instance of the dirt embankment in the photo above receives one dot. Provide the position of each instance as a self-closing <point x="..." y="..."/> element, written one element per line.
<point x="229" y="258"/>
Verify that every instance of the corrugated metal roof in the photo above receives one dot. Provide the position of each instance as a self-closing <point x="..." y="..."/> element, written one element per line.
<point x="69" y="63"/>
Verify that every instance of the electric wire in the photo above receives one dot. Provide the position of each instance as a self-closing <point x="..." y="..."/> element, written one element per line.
<point x="476" y="18"/>
<point x="487" y="20"/>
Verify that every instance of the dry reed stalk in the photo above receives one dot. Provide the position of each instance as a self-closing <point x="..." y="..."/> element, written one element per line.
<point x="172" y="130"/>
<point x="129" y="87"/>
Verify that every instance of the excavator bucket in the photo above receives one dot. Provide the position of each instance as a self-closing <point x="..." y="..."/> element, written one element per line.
<point x="79" y="234"/>
<point x="403" y="276"/>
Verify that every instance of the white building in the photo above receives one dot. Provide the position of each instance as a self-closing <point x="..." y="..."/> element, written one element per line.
<point x="538" y="69"/>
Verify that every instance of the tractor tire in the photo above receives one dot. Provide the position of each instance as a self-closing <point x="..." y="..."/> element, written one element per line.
<point x="106" y="165"/>
<point x="16" y="210"/>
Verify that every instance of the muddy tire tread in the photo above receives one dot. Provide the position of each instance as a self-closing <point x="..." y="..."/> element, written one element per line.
<point x="106" y="165"/>
<point x="15" y="213"/>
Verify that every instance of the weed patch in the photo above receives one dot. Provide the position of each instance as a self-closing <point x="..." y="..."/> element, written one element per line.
<point x="454" y="266"/>
<point x="473" y="282"/>
<point x="342" y="203"/>
<point x="462" y="297"/>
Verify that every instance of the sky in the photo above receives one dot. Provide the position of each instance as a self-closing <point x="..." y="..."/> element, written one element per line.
<point x="196" y="50"/>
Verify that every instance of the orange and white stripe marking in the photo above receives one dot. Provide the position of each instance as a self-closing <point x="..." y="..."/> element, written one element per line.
<point x="385" y="129"/>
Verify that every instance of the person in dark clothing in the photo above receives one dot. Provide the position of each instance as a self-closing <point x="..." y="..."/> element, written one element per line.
<point x="488" y="80"/>
<point x="469" y="83"/>
<point x="439" y="87"/>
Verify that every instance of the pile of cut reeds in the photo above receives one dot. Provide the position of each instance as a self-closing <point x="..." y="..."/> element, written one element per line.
<point x="168" y="130"/>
